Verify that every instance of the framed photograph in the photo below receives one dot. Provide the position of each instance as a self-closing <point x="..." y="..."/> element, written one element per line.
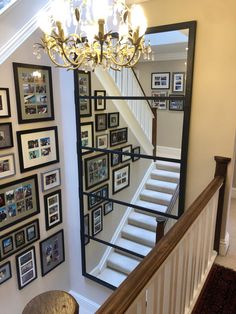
<point x="120" y="178"/>
<point x="86" y="229"/>
<point x="178" y="82"/>
<point x="97" y="221"/>
<point x="37" y="148"/>
<point x="5" y="110"/>
<point x="118" y="136"/>
<point x="7" y="166"/>
<point x="102" y="141"/>
<point x="87" y="136"/>
<point x="51" y="179"/>
<point x="115" y="158"/>
<point x="83" y="81"/>
<point x="26" y="267"/>
<point x="34" y="95"/>
<point x="96" y="170"/>
<point x="19" y="200"/>
<point x="5" y="272"/>
<point x="94" y="200"/>
<point x="100" y="104"/>
<point x="6" y="138"/>
<point x="176" y="104"/>
<point x="19" y="238"/>
<point x="100" y="122"/>
<point x="160" y="104"/>
<point x="108" y="207"/>
<point x="136" y="150"/>
<point x="126" y="149"/>
<point x="113" y="119"/>
<point x="53" y="209"/>
<point x="52" y="252"/>
<point x="160" y="80"/>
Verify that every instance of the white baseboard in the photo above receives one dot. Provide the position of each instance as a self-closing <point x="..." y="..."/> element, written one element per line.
<point x="233" y="195"/>
<point x="86" y="306"/>
<point x="168" y="152"/>
<point x="224" y="245"/>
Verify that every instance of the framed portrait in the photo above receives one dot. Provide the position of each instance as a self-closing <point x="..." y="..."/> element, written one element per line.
<point x="34" y="94"/>
<point x="6" y="138"/>
<point x="100" y="104"/>
<point x="5" y="272"/>
<point x="100" y="122"/>
<point x="96" y="170"/>
<point x="126" y="149"/>
<point x="115" y="158"/>
<point x="7" y="166"/>
<point x="94" y="200"/>
<point x="37" y="148"/>
<point x="102" y="141"/>
<point x="108" y="207"/>
<point x="176" y="104"/>
<point x="83" y="82"/>
<point x="87" y="137"/>
<point x="113" y="119"/>
<point x="5" y="109"/>
<point x="120" y="178"/>
<point x="160" y="104"/>
<point x="160" y="80"/>
<point x="19" y="200"/>
<point x="53" y="209"/>
<point x="18" y="238"/>
<point x="178" y="82"/>
<point x="97" y="221"/>
<point x="26" y="267"/>
<point x="86" y="229"/>
<point x="118" y="136"/>
<point x="52" y="252"/>
<point x="51" y="179"/>
<point x="136" y="150"/>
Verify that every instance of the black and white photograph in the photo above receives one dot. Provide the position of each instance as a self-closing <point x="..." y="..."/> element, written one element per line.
<point x="102" y="141"/>
<point x="126" y="149"/>
<point x="100" y="104"/>
<point x="113" y="119"/>
<point x="97" y="221"/>
<point x="136" y="150"/>
<point x="6" y="138"/>
<point x="108" y="207"/>
<point x="87" y="137"/>
<point x="5" y="110"/>
<point x="5" y="272"/>
<point x="53" y="209"/>
<point x="26" y="267"/>
<point x="7" y="166"/>
<point x="160" y="80"/>
<point x="118" y="136"/>
<point x="120" y="178"/>
<point x="100" y="122"/>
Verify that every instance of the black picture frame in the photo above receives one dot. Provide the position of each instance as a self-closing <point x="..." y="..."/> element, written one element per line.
<point x="52" y="252"/>
<point x="118" y="136"/>
<point x="113" y="119"/>
<point x="160" y="80"/>
<point x="115" y="158"/>
<point x="97" y="221"/>
<point x="83" y="83"/>
<point x="94" y="200"/>
<point x="34" y="92"/>
<point x="178" y="82"/>
<point x="100" y="122"/>
<point x="108" y="207"/>
<point x="120" y="178"/>
<point x="6" y="138"/>
<point x="99" y="103"/>
<point x="37" y="148"/>
<point x="5" y="109"/>
<point x="5" y="272"/>
<point x="102" y="141"/>
<point x="51" y="179"/>
<point x="126" y="149"/>
<point x="176" y="104"/>
<point x="87" y="136"/>
<point x="7" y="166"/>
<point x="26" y="267"/>
<point x="86" y="229"/>
<point x="136" y="150"/>
<point x="19" y="238"/>
<point x="53" y="209"/>
<point x="160" y="104"/>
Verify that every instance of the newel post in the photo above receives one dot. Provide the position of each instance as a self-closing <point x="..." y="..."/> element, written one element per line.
<point x="221" y="170"/>
<point x="154" y="131"/>
<point x="160" y="228"/>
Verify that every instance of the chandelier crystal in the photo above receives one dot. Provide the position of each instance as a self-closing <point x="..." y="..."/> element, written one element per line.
<point x="91" y="42"/>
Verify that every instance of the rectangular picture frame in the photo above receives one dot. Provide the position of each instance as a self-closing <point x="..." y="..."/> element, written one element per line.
<point x="136" y="150"/>
<point x="113" y="120"/>
<point x="101" y="122"/>
<point x="94" y="200"/>
<point x="160" y="80"/>
<point x="176" y="104"/>
<point x="120" y="178"/>
<point x="107" y="208"/>
<point x="86" y="229"/>
<point x="5" y="109"/>
<point x="83" y="82"/>
<point x="6" y="138"/>
<point x="97" y="221"/>
<point x="118" y="136"/>
<point x="178" y="82"/>
<point x="126" y="149"/>
<point x="53" y="209"/>
<point x="87" y="136"/>
<point x="7" y="166"/>
<point x="102" y="141"/>
<point x="5" y="272"/>
<point x="51" y="179"/>
<point x="115" y="158"/>
<point x="100" y="104"/>
<point x="160" y="104"/>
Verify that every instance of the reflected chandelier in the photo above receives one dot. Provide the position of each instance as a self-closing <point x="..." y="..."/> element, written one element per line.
<point x="90" y="44"/>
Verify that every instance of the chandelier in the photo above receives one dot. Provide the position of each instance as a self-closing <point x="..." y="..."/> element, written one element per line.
<point x="77" y="34"/>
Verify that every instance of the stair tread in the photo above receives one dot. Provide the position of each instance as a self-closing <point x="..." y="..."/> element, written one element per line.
<point x="143" y="221"/>
<point x="112" y="277"/>
<point x="122" y="263"/>
<point x="155" y="196"/>
<point x="139" y="235"/>
<point x="173" y="166"/>
<point x="164" y="175"/>
<point x="133" y="246"/>
<point x="152" y="206"/>
<point x="165" y="185"/>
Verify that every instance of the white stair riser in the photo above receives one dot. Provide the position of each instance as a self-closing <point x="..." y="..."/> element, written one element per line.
<point x="153" y="199"/>
<point x="143" y="224"/>
<point x="149" y="242"/>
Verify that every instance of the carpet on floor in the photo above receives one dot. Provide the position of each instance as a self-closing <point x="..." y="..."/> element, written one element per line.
<point x="219" y="293"/>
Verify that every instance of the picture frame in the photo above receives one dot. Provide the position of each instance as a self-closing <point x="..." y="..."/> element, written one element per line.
<point x="52" y="252"/>
<point x="136" y="150"/>
<point x="51" y="179"/>
<point x="34" y="92"/>
<point x="19" y="200"/>
<point x="113" y="119"/>
<point x="107" y="208"/>
<point x="100" y="122"/>
<point x="37" y="148"/>
<point x="120" y="178"/>
<point x="160" y="80"/>
<point x="6" y="138"/>
<point x="19" y="238"/>
<point x="53" y="209"/>
<point x="5" y="272"/>
<point x="118" y="136"/>
<point x="7" y="166"/>
<point x="102" y="141"/>
<point x="26" y="267"/>
<point x="100" y="104"/>
<point x="176" y="104"/>
<point x="160" y="104"/>
<point x="94" y="200"/>
<point x="178" y="82"/>
<point x="86" y="229"/>
<point x="83" y="83"/>
<point x="126" y="149"/>
<point x="115" y="158"/>
<point x="5" y="109"/>
<point x="96" y="170"/>
<point x="87" y="136"/>
<point x="97" y="221"/>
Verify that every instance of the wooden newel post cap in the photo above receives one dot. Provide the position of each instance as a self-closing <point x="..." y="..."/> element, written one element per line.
<point x="160" y="220"/>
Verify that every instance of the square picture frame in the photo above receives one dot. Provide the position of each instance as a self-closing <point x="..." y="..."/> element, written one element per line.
<point x="102" y="141"/>
<point x="126" y="149"/>
<point x="160" y="104"/>
<point x="37" y="148"/>
<point x="120" y="178"/>
<point x="178" y="82"/>
<point x="115" y="158"/>
<point x="113" y="119"/>
<point x="34" y="92"/>
<point x="118" y="136"/>
<point x="160" y="80"/>
<point x="136" y="150"/>
<point x="107" y="208"/>
<point x="94" y="200"/>
<point x="87" y="136"/>
<point x="5" y="109"/>
<point x="101" y="122"/>
<point x="6" y="138"/>
<point x="100" y="104"/>
<point x="52" y="252"/>
<point x="83" y="85"/>
<point x="26" y="267"/>
<point x="176" y="104"/>
<point x="51" y="179"/>
<point x="97" y="221"/>
<point x="53" y="209"/>
<point x="5" y="272"/>
<point x="7" y="166"/>
<point x="86" y="229"/>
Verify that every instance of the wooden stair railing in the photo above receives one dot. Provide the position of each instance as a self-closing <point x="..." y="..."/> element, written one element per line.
<point x="140" y="294"/>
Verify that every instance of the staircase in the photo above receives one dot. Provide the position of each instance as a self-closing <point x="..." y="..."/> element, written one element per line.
<point x="139" y="232"/>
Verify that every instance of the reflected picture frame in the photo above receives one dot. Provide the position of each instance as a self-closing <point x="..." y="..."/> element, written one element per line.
<point x="5" y="109"/>
<point x="178" y="82"/>
<point x="120" y="178"/>
<point x="5" y="272"/>
<point x="7" y="166"/>
<point x="87" y="136"/>
<point x="113" y="120"/>
<point x="83" y="84"/>
<point x="100" y="104"/>
<point x="86" y="229"/>
<point x="6" y="137"/>
<point x="97" y="221"/>
<point x="160" y="80"/>
<point x="51" y="179"/>
<point x="53" y="209"/>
